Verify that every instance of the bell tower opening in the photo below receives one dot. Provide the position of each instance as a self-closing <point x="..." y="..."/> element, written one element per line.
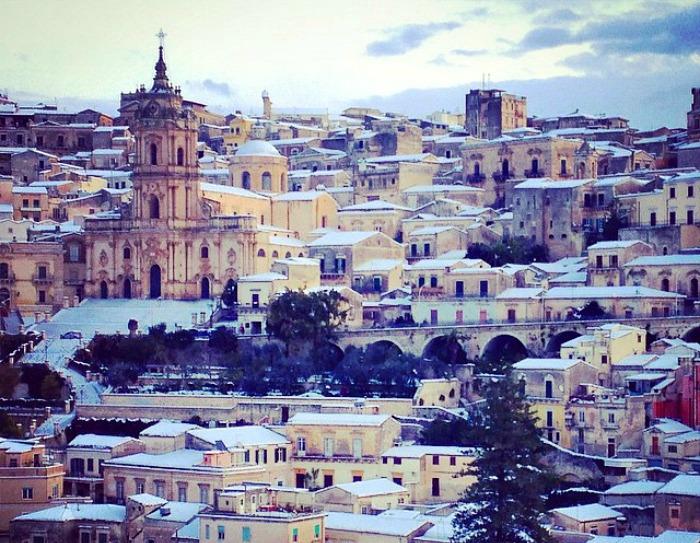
<point x="154" y="207"/>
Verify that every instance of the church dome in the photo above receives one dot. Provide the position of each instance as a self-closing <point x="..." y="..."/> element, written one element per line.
<point x="257" y="148"/>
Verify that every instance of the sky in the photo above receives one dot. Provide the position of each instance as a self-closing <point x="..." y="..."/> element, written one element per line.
<point x="638" y="59"/>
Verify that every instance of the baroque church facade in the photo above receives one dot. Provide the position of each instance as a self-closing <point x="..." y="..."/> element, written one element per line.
<point x="169" y="242"/>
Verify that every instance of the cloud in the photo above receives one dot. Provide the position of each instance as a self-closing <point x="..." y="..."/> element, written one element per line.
<point x="217" y="87"/>
<point x="440" y="60"/>
<point x="559" y="16"/>
<point x="405" y="38"/>
<point x="672" y="34"/>
<point x="469" y="52"/>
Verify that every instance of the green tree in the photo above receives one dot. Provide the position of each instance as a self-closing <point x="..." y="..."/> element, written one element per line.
<point x="223" y="339"/>
<point x="8" y="427"/>
<point x="506" y="501"/>
<point x="612" y="225"/>
<point x="448" y="432"/>
<point x="51" y="387"/>
<point x="9" y="379"/>
<point x="295" y="317"/>
<point x="592" y="310"/>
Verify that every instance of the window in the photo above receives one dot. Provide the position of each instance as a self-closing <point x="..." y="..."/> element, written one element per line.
<point x="397" y="461"/>
<point x="327" y="480"/>
<point x="562" y="165"/>
<point x="90" y="465"/>
<point x="672" y="217"/>
<point x="328" y="443"/>
<point x="599" y="261"/>
<point x="154" y="154"/>
<point x="42" y="296"/>
<point x="672" y="192"/>
<point x="120" y="491"/>
<point x="27" y="493"/>
<point x="675" y="512"/>
<point x="127" y="253"/>
<point x="301" y="444"/>
<point x="604" y="359"/>
<point x="41" y="272"/>
<point x="673" y="449"/>
<point x="180" y="156"/>
<point x="433" y="282"/>
<point x="611" y="418"/>
<point x="436" y="460"/>
<point x="207" y="531"/>
<point x="245" y="534"/>
<point x="102" y="537"/>
<point x="140" y="486"/>
<point x="436" y="486"/>
<point x="182" y="492"/>
<point x="203" y="493"/>
<point x="85" y="537"/>
<point x="317" y="531"/>
<point x="548" y="389"/>
<point x="159" y="488"/>
<point x="691" y="191"/>
<point x="357" y="447"/>
<point x="453" y="460"/>
<point x="221" y="533"/>
<point x="550" y="419"/>
<point x="204" y="252"/>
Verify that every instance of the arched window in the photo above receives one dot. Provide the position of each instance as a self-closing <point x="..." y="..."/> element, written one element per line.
<point x="245" y="180"/>
<point x="154" y="154"/>
<point x="275" y="254"/>
<point x="288" y="255"/>
<point x="104" y="293"/>
<point x="452" y="393"/>
<point x="127" y="253"/>
<point x="204" y="252"/>
<point x="535" y="166"/>
<point x="665" y="284"/>
<point x="548" y="388"/>
<point x="441" y="398"/>
<point x="477" y="169"/>
<point x="4" y="270"/>
<point x="266" y="181"/>
<point x="301" y="255"/>
<point x="180" y="156"/>
<point x="261" y="253"/>
<point x="154" y="207"/>
<point x="127" y="288"/>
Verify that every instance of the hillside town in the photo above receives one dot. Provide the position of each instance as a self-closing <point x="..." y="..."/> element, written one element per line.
<point x="303" y="327"/>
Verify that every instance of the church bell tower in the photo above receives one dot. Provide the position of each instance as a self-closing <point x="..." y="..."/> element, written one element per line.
<point x="166" y="169"/>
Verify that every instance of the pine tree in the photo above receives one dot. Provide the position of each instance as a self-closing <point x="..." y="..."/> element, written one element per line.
<point x="504" y="504"/>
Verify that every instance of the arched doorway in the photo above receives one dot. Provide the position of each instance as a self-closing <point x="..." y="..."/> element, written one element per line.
<point x="446" y="349"/>
<point x="504" y="347"/>
<point x="205" y="288"/>
<point x="104" y="292"/>
<point x="127" y="288"/>
<point x="505" y="168"/>
<point x="155" y="286"/>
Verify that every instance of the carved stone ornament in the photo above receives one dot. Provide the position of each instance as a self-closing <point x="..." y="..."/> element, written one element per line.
<point x="104" y="259"/>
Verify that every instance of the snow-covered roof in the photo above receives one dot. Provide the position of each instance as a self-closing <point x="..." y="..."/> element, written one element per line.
<point x="552" y="364"/>
<point x="167" y="428"/>
<point x="225" y="189"/>
<point x="179" y="459"/>
<point x="29" y="190"/>
<point x="418" y="157"/>
<point x="589" y="512"/>
<point x="179" y="512"/>
<point x="635" y="487"/>
<point x="372" y="487"/>
<point x="519" y="293"/>
<point x="102" y="512"/>
<point x="431" y="230"/>
<point x="16" y="445"/>
<point x="94" y="441"/>
<point x="240" y="436"/>
<point x="571" y="277"/>
<point x="418" y="451"/>
<point x="375" y="205"/>
<point x="441" y="188"/>
<point x="546" y="183"/>
<point x="341" y="238"/>
<point x="338" y="419"/>
<point x="682" y="485"/>
<point x="616" y="244"/>
<point x="257" y="148"/>
<point x="665" y="260"/>
<point x="299" y="195"/>
<point x="189" y="531"/>
<point x="685" y="437"/>
<point x="607" y="292"/>
<point x="264" y="277"/>
<point x="285" y="241"/>
<point x="664" y="362"/>
<point x="377" y="265"/>
<point x="669" y="426"/>
<point x="635" y="360"/>
<point x="373" y="524"/>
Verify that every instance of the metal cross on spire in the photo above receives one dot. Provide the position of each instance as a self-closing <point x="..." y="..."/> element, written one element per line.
<point x="161" y="37"/>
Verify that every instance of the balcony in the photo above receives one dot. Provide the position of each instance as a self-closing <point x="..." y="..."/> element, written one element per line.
<point x="500" y="177"/>
<point x="9" y="279"/>
<point x="335" y="458"/>
<point x="476" y="178"/>
<point x="251" y="309"/>
<point x="530" y="174"/>
<point x="332" y="276"/>
<point x="42" y="279"/>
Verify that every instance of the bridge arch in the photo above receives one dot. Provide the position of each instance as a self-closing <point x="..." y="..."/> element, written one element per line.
<point x="384" y="348"/>
<point x="557" y="340"/>
<point x="447" y="349"/>
<point x="505" y="344"/>
<point x="692" y="335"/>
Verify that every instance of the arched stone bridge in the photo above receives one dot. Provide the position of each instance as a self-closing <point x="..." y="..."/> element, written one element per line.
<point x="530" y="338"/>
